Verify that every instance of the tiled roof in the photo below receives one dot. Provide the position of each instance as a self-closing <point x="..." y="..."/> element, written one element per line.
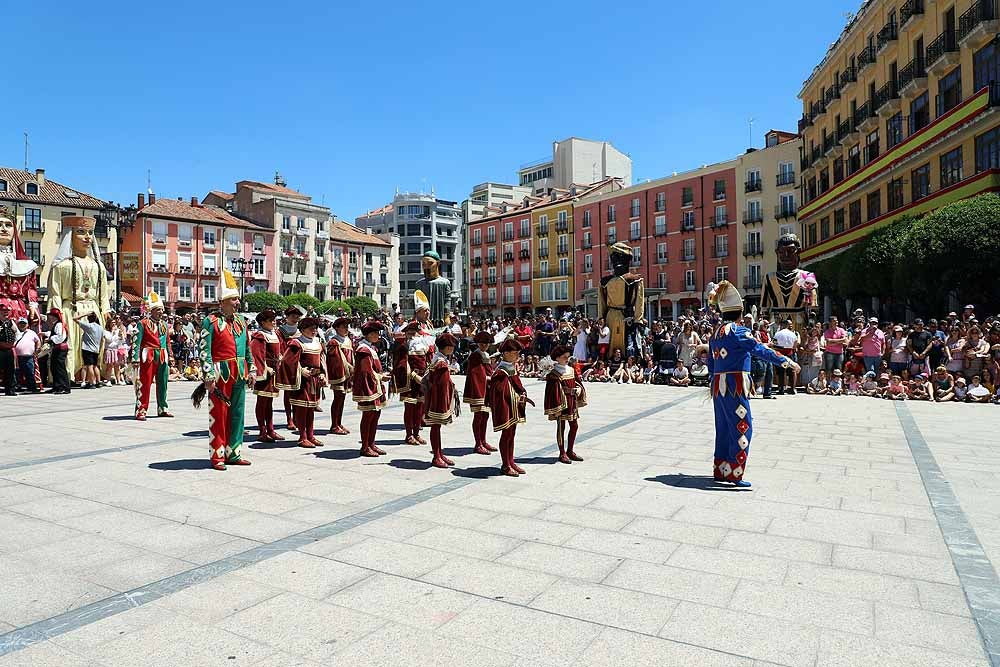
<point x="51" y="192"/>
<point x="183" y="210"/>
<point x="348" y="233"/>
<point x="226" y="196"/>
<point x="541" y="202"/>
<point x="379" y="211"/>
<point x="278" y="189"/>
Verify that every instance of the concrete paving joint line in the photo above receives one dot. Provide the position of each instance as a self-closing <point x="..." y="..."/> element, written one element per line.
<point x="46" y="629"/>
<point x="975" y="571"/>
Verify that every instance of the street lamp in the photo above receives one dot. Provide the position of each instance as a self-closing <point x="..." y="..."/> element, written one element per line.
<point x="241" y="266"/>
<point x="122" y="220"/>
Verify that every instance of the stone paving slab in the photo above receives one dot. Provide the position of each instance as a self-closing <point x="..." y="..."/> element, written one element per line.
<point x="835" y="557"/>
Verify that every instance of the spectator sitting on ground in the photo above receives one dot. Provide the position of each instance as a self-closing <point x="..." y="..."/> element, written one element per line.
<point x="978" y="393"/>
<point x="961" y="390"/>
<point x="679" y="377"/>
<point x="836" y="383"/>
<point x="819" y="385"/>
<point x="634" y="371"/>
<point x="869" y="387"/>
<point x="852" y="386"/>
<point x="597" y="373"/>
<point x="944" y="385"/>
<point x="897" y="391"/>
<point x="920" y="390"/>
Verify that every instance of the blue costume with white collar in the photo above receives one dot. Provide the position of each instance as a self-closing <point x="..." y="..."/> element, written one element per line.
<point x="729" y="363"/>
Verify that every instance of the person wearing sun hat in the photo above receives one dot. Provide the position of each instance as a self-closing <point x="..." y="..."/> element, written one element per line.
<point x="507" y="397"/>
<point x="151" y="357"/>
<point x="368" y="388"/>
<point x="730" y="349"/>
<point x="477" y="374"/>
<point x="564" y="396"/>
<point x="226" y="367"/>
<point x="339" y="371"/>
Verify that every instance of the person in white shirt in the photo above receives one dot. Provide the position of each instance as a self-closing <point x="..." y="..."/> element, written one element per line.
<point x="679" y="376"/>
<point x="786" y="341"/>
<point x="59" y="353"/>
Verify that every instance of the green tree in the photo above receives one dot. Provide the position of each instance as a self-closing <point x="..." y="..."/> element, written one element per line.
<point x="362" y="305"/>
<point x="307" y="301"/>
<point x="255" y="302"/>
<point x="331" y="307"/>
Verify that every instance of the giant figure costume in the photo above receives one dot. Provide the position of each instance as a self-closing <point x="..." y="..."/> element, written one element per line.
<point x="730" y="350"/>
<point x="78" y="283"/>
<point x="18" y="287"/>
<point x="621" y="302"/>
<point x="227" y="362"/>
<point x="151" y="358"/>
<point x="784" y="296"/>
<point x="436" y="287"/>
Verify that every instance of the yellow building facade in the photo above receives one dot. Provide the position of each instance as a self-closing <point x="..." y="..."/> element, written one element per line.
<point x="552" y="262"/>
<point x="900" y="118"/>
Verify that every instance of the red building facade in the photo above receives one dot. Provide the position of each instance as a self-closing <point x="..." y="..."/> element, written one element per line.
<point x="491" y="270"/>
<point x="683" y="231"/>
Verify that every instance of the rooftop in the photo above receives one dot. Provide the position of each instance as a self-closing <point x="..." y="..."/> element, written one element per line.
<point x="274" y="189"/>
<point x="176" y="209"/>
<point x="348" y="233"/>
<point x="49" y="192"/>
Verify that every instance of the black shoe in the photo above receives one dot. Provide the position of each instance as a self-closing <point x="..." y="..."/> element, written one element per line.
<point x="791" y="391"/>
<point x="10" y="393"/>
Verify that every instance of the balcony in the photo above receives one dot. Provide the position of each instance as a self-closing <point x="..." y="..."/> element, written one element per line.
<point x="865" y="58"/>
<point x="886" y="103"/>
<point x="543" y="252"/>
<point x="719" y="220"/>
<point x="508" y="300"/>
<point x="508" y="257"/>
<point x="847" y="77"/>
<point x="720" y="253"/>
<point x="322" y="281"/>
<point x="830" y="144"/>
<point x="509" y="278"/>
<point x="783" y="211"/>
<point x="913" y="78"/>
<point x="524" y="254"/>
<point x="508" y="236"/>
<point x="288" y="277"/>
<point x="562" y="250"/>
<point x="587" y="245"/>
<point x="886" y="36"/>
<point x="687" y="226"/>
<point x="322" y="235"/>
<point x="562" y="226"/>
<point x="542" y="230"/>
<point x="524" y="299"/>
<point x="477" y="282"/>
<point x="910" y="9"/>
<point x="755" y="185"/>
<point x="524" y="232"/>
<point x="753" y="249"/>
<point x="719" y="195"/>
<point x="634" y="212"/>
<point x="832" y="93"/>
<point x="491" y="238"/>
<point x="804" y="122"/>
<point x="662" y="258"/>
<point x="301" y="231"/>
<point x="942" y="53"/>
<point x="689" y="287"/>
<point x="785" y="178"/>
<point x="491" y="261"/>
<point x="845" y="130"/>
<point x="815" y="155"/>
<point x="302" y="279"/>
<point x="491" y="301"/>
<point x="205" y="271"/>
<point x="634" y="236"/>
<point x="660" y="230"/>
<point x="979" y="25"/>
<point x="476" y="240"/>
<point x="751" y="283"/>
<point x="865" y="119"/>
<point x="661" y="206"/>
<point x="491" y="280"/>
<point x="384" y="268"/>
<point x="687" y="256"/>
<point x="817" y="109"/>
<point x="524" y="275"/>
<point x="476" y="261"/>
<point x="752" y="217"/>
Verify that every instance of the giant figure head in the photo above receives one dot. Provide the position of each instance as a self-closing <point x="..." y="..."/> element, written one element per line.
<point x="788" y="249"/>
<point x="620" y="256"/>
<point x="431" y="265"/>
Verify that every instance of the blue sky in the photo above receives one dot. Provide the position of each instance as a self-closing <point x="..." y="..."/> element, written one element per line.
<point x="352" y="100"/>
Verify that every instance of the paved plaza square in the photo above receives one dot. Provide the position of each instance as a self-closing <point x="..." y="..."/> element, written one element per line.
<point x="867" y="539"/>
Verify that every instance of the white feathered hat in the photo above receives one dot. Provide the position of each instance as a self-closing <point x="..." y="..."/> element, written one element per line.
<point x="154" y="302"/>
<point x="229" y="288"/>
<point x="420" y="301"/>
<point x="726" y="297"/>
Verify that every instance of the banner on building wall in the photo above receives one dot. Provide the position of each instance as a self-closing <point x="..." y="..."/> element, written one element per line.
<point x="109" y="264"/>
<point x="130" y="266"/>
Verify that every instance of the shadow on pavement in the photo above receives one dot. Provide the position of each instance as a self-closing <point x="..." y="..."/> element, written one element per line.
<point x="477" y="473"/>
<point x="703" y="482"/>
<point x="337" y="454"/>
<point x="119" y="418"/>
<point x="410" y="464"/>
<point x="182" y="464"/>
<point x="390" y="427"/>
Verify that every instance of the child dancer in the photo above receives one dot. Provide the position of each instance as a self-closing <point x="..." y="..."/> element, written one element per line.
<point x="339" y="369"/>
<point x="477" y="375"/>
<point x="301" y="376"/>
<point x="441" y="396"/>
<point x="564" y="395"/>
<point x="368" y="390"/>
<point x="409" y="363"/>
<point x="507" y="397"/>
<point x="265" y="346"/>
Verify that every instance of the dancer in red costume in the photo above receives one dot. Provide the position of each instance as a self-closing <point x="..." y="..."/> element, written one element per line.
<point x="288" y="330"/>
<point x="477" y="375"/>
<point x="507" y="397"/>
<point x="441" y="401"/>
<point x="564" y="396"/>
<point x="265" y="346"/>
<point x="339" y="372"/>
<point x="368" y="388"/>
<point x="409" y="363"/>
<point x="301" y="376"/>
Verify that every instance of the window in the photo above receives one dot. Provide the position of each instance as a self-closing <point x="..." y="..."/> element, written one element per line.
<point x="871" y="147"/>
<point x="636" y="256"/>
<point x="258" y="243"/>
<point x="508" y="295"/>
<point x="894" y="194"/>
<point x="688" y="250"/>
<point x="786" y="173"/>
<point x="588" y="263"/>
<point x="721" y="273"/>
<point x="920" y="182"/>
<point x="208" y="263"/>
<point x="838" y="221"/>
<point x="661" y="253"/>
<point x="786" y="229"/>
<point x="986" y="65"/>
<point x="286" y="223"/>
<point x="525" y="294"/>
<point x="33" y="249"/>
<point x="159" y="232"/>
<point x="526" y="227"/>
<point x="160" y="287"/>
<point x="588" y="240"/>
<point x="722" y="246"/>
<point x="824" y="180"/>
<point x="687" y="221"/>
<point x="368" y="259"/>
<point x="754" y="210"/>
<point x="3" y="186"/>
<point x="612" y="235"/>
<point x="854" y="213"/>
<point x="838" y="170"/>
<point x="853" y="158"/>
<point x="661" y="202"/>
<point x="184" y="291"/>
<point x="183" y="261"/>
<point x="477" y="236"/>
<point x="720" y="215"/>
<point x="635" y="209"/>
<point x="689" y="280"/>
<point x="633" y="233"/>
<point x="754" y="245"/>
<point x="753" y="180"/>
<point x="543" y="246"/>
<point x="874" y="204"/>
<point x="563" y="266"/>
<point x="31" y="188"/>
<point x="586" y="218"/>
<point x="563" y="243"/>
<point x="562" y="218"/>
<point x="208" y="291"/>
<point x="258" y="266"/>
<point x="719" y="192"/>
<point x="159" y="260"/>
<point x="32" y="219"/>
<point x="920" y="113"/>
<point x="543" y="269"/>
<point x="508" y="230"/>
<point x="753" y="275"/>
<point x="300" y="222"/>
<point x="611" y="213"/>
<point x="209" y="238"/>
<point x="988" y="150"/>
<point x="951" y="167"/>
<point x="894" y="130"/>
<point x="824" y="229"/>
<point x="949" y="91"/>
<point x="787" y="204"/>
<point x="661" y="224"/>
<point x="812" y="235"/>
<point x="687" y="197"/>
<point x="491" y="234"/>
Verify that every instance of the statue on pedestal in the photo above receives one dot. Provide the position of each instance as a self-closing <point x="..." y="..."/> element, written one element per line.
<point x="789" y="292"/>
<point x="78" y="282"/>
<point x="435" y="287"/>
<point x="622" y="302"/>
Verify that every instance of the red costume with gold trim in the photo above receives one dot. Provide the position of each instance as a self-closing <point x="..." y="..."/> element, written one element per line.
<point x="339" y="375"/>
<point x="506" y="397"/>
<point x="265" y="347"/>
<point x="564" y="394"/>
<point x="368" y="392"/>
<point x="477" y="375"/>
<point x="301" y="375"/>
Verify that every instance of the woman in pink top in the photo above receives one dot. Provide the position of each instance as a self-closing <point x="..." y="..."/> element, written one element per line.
<point x="836" y="338"/>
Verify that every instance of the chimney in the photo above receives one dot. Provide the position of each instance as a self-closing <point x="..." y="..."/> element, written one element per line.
<point x="152" y="198"/>
<point x="40" y="176"/>
<point x="194" y="202"/>
<point x="141" y="201"/>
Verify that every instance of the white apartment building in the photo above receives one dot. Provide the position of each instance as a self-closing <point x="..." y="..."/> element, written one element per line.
<point x="575" y="160"/>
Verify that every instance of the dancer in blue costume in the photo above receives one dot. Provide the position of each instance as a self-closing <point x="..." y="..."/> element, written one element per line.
<point x="729" y="363"/>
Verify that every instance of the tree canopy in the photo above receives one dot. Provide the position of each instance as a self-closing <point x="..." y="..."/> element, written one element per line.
<point x="254" y="302"/>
